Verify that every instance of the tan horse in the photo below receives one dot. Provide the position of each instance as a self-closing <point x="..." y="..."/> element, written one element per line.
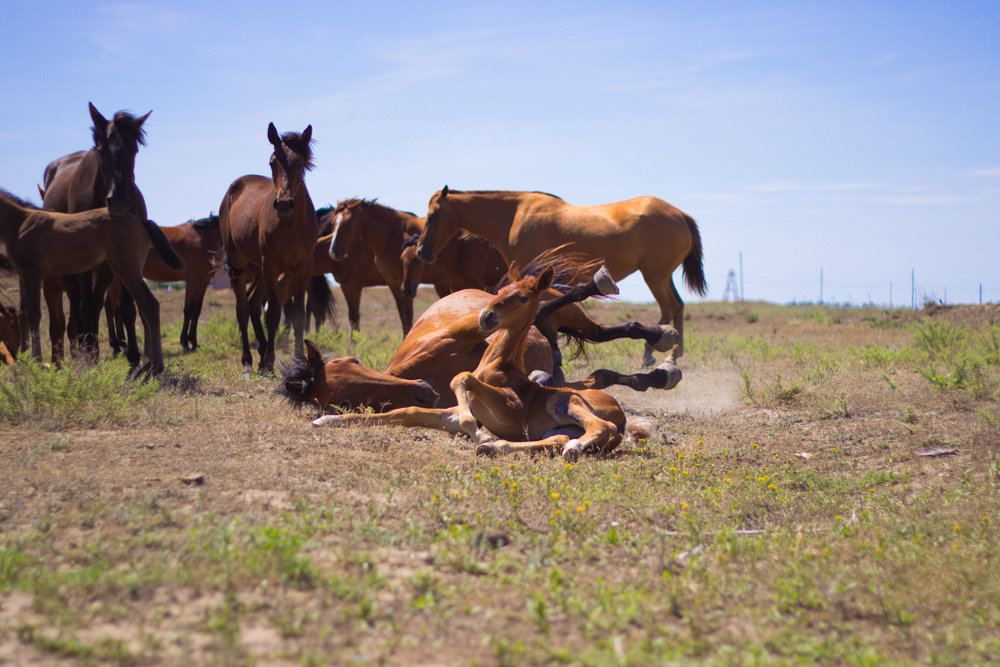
<point x="43" y="244"/>
<point x="644" y="234"/>
<point x="499" y="406"/>
<point x="270" y="224"/>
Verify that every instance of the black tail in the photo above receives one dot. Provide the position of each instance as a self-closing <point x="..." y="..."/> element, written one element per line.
<point x="694" y="270"/>
<point x="321" y="303"/>
<point x="162" y="245"/>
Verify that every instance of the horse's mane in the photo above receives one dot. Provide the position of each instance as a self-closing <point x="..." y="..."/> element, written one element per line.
<point x="294" y="141"/>
<point x="211" y="222"/>
<point x="128" y="125"/>
<point x="298" y="370"/>
<point x="23" y="203"/>
<point x="571" y="268"/>
<point x="502" y="192"/>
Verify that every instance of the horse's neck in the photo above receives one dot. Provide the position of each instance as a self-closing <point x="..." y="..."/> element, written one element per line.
<point x="489" y="216"/>
<point x="11" y="218"/>
<point x="507" y="348"/>
<point x="382" y="230"/>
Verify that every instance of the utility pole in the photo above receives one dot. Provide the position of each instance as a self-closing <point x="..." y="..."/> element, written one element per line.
<point x="742" y="293"/>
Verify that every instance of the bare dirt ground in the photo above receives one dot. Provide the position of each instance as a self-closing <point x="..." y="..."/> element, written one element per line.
<point x="206" y="465"/>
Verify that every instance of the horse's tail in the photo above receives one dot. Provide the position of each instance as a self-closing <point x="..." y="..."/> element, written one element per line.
<point x="321" y="302"/>
<point x="694" y="269"/>
<point x="162" y="245"/>
<point x="638" y="429"/>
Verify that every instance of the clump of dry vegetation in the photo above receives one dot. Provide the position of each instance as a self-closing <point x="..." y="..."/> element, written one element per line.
<point x="786" y="509"/>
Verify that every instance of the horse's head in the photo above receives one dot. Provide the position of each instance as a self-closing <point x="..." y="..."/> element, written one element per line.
<point x="515" y="304"/>
<point x="346" y="382"/>
<point x="441" y="225"/>
<point x="413" y="268"/>
<point x="292" y="157"/>
<point x="117" y="141"/>
<point x="345" y="228"/>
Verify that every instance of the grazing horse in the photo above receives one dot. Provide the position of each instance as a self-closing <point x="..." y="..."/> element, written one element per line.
<point x="270" y="224"/>
<point x="103" y="176"/>
<point x="44" y="244"/>
<point x="499" y="406"/>
<point x="645" y="234"/>
<point x="199" y="244"/>
<point x="445" y="341"/>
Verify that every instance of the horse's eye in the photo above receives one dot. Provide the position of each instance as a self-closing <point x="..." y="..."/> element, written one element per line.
<point x="524" y="299"/>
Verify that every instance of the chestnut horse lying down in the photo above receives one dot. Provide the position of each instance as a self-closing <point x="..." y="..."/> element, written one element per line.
<point x="10" y="334"/>
<point x="445" y="341"/>
<point x="499" y="405"/>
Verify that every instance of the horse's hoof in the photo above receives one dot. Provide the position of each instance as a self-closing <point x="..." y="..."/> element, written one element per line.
<point x="328" y="420"/>
<point x="669" y="338"/>
<point x="673" y="374"/>
<point x="572" y="450"/>
<point x="486" y="449"/>
<point x="604" y="282"/>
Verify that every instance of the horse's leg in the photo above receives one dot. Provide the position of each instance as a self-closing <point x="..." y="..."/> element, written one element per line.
<point x="299" y="320"/>
<point x="671" y="310"/>
<point x="566" y="409"/>
<point x="272" y="318"/>
<point x="495" y="401"/>
<point x="116" y="331"/>
<point x="126" y="315"/>
<point x="149" y="311"/>
<point x="74" y="327"/>
<point x="441" y="419"/>
<point x="30" y="312"/>
<point x="194" y="297"/>
<point x="352" y="295"/>
<point x="239" y="286"/>
<point x="53" y="290"/>
<point x="664" y="376"/>
<point x="404" y="306"/>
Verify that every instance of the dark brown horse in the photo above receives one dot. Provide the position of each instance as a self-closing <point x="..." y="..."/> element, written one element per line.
<point x="199" y="244"/>
<point x="44" y="244"/>
<point x="465" y="262"/>
<point x="103" y="176"/>
<point x="270" y="223"/>
<point x="645" y="234"/>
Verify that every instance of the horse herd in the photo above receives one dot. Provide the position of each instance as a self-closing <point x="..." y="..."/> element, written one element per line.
<point x="510" y="268"/>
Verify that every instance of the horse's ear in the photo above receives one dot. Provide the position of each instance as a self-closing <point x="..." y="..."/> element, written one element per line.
<point x="545" y="279"/>
<point x="313" y="355"/>
<point x="307" y="134"/>
<point x="95" y="115"/>
<point x="513" y="275"/>
<point x="272" y="134"/>
<point x="444" y="192"/>
<point x="142" y="119"/>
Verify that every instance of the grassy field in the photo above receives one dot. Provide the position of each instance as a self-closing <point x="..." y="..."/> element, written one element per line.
<point x="821" y="487"/>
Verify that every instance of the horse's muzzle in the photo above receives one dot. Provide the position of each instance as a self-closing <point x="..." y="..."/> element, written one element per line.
<point x="488" y="320"/>
<point x="408" y="290"/>
<point x="117" y="206"/>
<point x="337" y="255"/>
<point x="284" y="207"/>
<point x="426" y="397"/>
<point x="425" y="254"/>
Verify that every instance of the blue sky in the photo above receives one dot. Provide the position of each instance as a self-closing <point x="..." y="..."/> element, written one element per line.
<point x="856" y="139"/>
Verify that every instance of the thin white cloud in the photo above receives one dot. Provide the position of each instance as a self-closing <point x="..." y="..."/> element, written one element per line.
<point x="993" y="171"/>
<point x="125" y="25"/>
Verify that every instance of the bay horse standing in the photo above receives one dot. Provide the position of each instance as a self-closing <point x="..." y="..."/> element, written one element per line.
<point x="199" y="244"/>
<point x="270" y="224"/>
<point x="645" y="234"/>
<point x="45" y="244"/>
<point x="499" y="406"/>
<point x="103" y="176"/>
<point x="371" y="230"/>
